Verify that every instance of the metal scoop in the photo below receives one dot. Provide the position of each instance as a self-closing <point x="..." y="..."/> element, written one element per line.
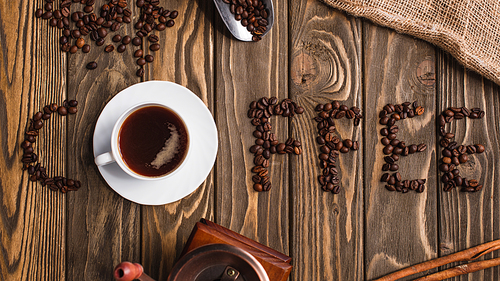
<point x="239" y="31"/>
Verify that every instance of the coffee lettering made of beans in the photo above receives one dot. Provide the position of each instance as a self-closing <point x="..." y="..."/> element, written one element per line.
<point x="266" y="142"/>
<point x="454" y="154"/>
<point x="394" y="148"/>
<point x="330" y="143"/>
<point x="29" y="159"/>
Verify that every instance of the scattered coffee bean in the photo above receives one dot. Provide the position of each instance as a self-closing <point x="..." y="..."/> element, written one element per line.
<point x="109" y="19"/>
<point x="140" y="72"/>
<point x="117" y="38"/>
<point x="126" y="40"/>
<point x="109" y="48"/>
<point x="121" y="48"/>
<point x="92" y="65"/>
<point x="154" y="47"/>
<point x="86" y="48"/>
<point x="137" y="41"/>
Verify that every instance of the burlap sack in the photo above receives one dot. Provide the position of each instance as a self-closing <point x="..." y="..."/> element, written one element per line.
<point x="467" y="29"/>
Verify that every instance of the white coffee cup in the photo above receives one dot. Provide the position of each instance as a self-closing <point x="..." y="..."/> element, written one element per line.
<point x="115" y="154"/>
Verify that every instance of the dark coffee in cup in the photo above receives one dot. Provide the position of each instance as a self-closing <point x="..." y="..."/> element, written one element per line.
<point x="153" y="141"/>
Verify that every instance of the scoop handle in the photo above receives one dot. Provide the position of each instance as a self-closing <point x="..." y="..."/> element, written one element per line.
<point x="127" y="271"/>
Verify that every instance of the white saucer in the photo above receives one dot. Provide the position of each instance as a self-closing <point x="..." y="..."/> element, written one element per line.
<point x="203" y="136"/>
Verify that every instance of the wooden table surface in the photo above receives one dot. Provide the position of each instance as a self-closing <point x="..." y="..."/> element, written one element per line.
<point x="314" y="54"/>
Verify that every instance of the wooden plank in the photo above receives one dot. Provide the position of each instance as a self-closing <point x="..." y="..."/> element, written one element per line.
<point x="325" y="65"/>
<point x="401" y="229"/>
<point x="469" y="219"/>
<point x="33" y="219"/>
<point x="103" y="228"/>
<point x="185" y="57"/>
<point x="245" y="72"/>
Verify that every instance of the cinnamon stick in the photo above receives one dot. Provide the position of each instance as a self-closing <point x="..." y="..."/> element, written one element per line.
<point x="461" y="269"/>
<point x="465" y="255"/>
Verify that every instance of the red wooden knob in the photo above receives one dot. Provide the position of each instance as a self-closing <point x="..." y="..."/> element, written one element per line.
<point x="127" y="271"/>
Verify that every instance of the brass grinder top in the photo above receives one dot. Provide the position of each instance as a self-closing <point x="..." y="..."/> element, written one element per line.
<point x="218" y="262"/>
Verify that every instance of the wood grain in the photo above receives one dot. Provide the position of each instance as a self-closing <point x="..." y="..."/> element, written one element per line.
<point x="185" y="57"/>
<point x="32" y="217"/>
<point x="244" y="72"/>
<point x="313" y="55"/>
<point x="325" y="65"/>
<point x="401" y="229"/>
<point x="103" y="228"/>
<point x="471" y="219"/>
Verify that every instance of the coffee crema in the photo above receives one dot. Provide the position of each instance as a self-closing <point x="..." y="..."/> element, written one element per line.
<point x="153" y="141"/>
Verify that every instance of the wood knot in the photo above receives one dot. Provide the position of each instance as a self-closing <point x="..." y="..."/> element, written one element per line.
<point x="303" y="69"/>
<point x="426" y="72"/>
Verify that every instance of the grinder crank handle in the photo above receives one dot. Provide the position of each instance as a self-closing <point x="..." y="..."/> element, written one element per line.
<point x="127" y="271"/>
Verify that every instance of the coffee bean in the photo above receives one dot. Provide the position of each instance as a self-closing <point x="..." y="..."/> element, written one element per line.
<point x="38" y="13"/>
<point x="92" y="65"/>
<point x="72" y="110"/>
<point x="257" y="187"/>
<point x="100" y="42"/>
<point x="385" y="141"/>
<point x="149" y="58"/>
<point x="413" y="148"/>
<point x="421" y="147"/>
<point x="73" y="49"/>
<point x="385" y="177"/>
<point x="86" y="48"/>
<point x="115" y="26"/>
<point x="153" y="38"/>
<point x="347" y="143"/>
<point x="391" y="136"/>
<point x="62" y="111"/>
<point x="479" y="148"/>
<point x="388" y="149"/>
<point x="444" y="167"/>
<point x="174" y="14"/>
<point x="390" y="187"/>
<point x="109" y="48"/>
<point x="101" y="31"/>
<point x="355" y="145"/>
<point x="471" y="149"/>
<point x="117" y="38"/>
<point x="47" y="15"/>
<point x="394" y="167"/>
<point x="37" y="116"/>
<point x="126" y="40"/>
<point x="138" y="53"/>
<point x="38" y="124"/>
<point x="137" y="41"/>
<point x="80" y="42"/>
<point x="121" y="48"/>
<point x="154" y="47"/>
<point x="463" y="158"/>
<point x="446" y="160"/>
<point x="140" y="72"/>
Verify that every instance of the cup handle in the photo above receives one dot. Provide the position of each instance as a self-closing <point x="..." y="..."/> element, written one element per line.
<point x="104" y="159"/>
